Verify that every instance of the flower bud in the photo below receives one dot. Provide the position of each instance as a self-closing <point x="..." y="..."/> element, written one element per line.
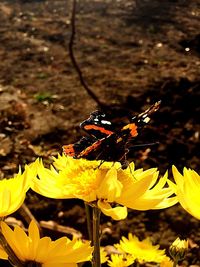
<point x="178" y="249"/>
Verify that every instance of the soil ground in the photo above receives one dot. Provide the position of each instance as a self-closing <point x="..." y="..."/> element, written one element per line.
<point x="131" y="53"/>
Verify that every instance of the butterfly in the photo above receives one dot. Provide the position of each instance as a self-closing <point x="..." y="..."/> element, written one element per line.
<point x="105" y="141"/>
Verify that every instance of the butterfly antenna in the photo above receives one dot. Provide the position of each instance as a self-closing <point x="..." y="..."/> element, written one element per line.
<point x="143" y="145"/>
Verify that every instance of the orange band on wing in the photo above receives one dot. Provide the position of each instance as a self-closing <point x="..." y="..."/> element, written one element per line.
<point x="133" y="129"/>
<point x="98" y="128"/>
<point x="86" y="151"/>
<point x="69" y="150"/>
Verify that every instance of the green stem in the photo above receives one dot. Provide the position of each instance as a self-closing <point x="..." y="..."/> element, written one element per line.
<point x="89" y="220"/>
<point x="96" y="261"/>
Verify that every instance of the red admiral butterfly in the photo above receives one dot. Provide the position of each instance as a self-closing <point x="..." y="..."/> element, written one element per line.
<point x="105" y="142"/>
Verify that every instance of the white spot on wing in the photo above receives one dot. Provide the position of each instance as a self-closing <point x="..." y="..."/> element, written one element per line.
<point x="105" y="122"/>
<point x="146" y="120"/>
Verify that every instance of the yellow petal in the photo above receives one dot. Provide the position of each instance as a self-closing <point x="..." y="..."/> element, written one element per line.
<point x="117" y="213"/>
<point x="161" y="183"/>
<point x="23" y="245"/>
<point x="13" y="191"/>
<point x="8" y="234"/>
<point x="42" y="253"/>
<point x="187" y="189"/>
<point x="110" y="188"/>
<point x="178" y="177"/>
<point x="134" y="189"/>
<point x="5" y="201"/>
<point x="3" y="254"/>
<point x="34" y="235"/>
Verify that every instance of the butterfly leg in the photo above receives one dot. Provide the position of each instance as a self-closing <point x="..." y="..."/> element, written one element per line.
<point x="123" y="160"/>
<point x="101" y="162"/>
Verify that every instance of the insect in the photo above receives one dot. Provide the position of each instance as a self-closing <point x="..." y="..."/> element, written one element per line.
<point x="104" y="141"/>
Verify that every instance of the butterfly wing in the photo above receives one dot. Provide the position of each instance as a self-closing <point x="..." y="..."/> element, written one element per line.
<point x="97" y="125"/>
<point x="132" y="129"/>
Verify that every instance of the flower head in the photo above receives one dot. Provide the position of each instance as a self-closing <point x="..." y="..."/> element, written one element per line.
<point x="13" y="190"/>
<point x="178" y="249"/>
<point x="142" y="251"/>
<point x="106" y="184"/>
<point x="31" y="248"/>
<point x="120" y="260"/>
<point x="187" y="189"/>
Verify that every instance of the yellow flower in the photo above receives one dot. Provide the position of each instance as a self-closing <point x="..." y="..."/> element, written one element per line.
<point x="103" y="255"/>
<point x="31" y="248"/>
<point x="105" y="184"/>
<point x="143" y="251"/>
<point x="13" y="190"/>
<point x="166" y="263"/>
<point x="143" y="190"/>
<point x="187" y="189"/>
<point x="119" y="260"/>
<point x="178" y="249"/>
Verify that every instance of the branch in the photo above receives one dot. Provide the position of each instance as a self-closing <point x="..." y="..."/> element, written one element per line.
<point x="73" y="59"/>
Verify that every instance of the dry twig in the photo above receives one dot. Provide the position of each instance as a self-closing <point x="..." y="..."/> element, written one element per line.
<point x="73" y="59"/>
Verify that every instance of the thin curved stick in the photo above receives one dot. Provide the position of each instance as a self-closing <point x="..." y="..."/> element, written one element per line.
<point x="73" y="59"/>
